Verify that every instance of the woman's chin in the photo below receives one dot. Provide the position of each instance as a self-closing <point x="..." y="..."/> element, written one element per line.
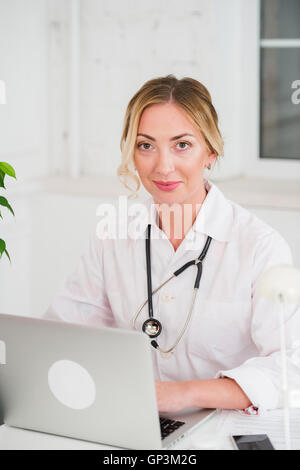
<point x="167" y="197"/>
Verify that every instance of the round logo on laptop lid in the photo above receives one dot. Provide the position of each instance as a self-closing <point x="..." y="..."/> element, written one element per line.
<point x="71" y="384"/>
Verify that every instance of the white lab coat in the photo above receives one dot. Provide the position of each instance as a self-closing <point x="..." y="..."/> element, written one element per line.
<point x="233" y="332"/>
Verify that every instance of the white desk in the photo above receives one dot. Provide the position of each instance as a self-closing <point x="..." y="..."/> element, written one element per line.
<point x="205" y="437"/>
<point x="211" y="435"/>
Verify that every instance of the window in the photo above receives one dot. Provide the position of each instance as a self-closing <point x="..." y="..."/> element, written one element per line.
<point x="280" y="79"/>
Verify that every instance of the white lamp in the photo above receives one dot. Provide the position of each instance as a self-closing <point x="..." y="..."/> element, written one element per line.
<point x="2" y="92"/>
<point x="281" y="284"/>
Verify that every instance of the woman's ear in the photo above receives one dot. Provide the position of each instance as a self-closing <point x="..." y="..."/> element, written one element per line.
<point x="210" y="160"/>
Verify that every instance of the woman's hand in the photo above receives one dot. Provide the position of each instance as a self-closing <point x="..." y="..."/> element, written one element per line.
<point x="172" y="396"/>
<point x="211" y="393"/>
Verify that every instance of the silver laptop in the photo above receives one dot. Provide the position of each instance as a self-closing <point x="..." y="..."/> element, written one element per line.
<point x="94" y="384"/>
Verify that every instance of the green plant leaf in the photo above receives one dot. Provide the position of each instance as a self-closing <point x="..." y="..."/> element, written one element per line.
<point x="4" y="202"/>
<point x="8" y="169"/>
<point x="2" y="175"/>
<point x="3" y="249"/>
<point x="2" y="246"/>
<point x="7" y="254"/>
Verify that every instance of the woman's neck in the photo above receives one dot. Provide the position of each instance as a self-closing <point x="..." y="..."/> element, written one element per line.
<point x="177" y="219"/>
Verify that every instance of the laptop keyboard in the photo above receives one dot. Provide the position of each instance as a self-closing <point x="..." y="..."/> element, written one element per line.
<point x="167" y="426"/>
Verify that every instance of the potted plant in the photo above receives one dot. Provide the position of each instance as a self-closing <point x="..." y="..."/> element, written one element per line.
<point x="5" y="169"/>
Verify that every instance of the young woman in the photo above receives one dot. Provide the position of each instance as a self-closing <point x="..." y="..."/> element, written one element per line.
<point x="215" y="340"/>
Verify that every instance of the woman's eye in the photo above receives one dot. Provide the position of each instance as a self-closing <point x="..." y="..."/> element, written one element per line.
<point x="144" y="148"/>
<point x="183" y="144"/>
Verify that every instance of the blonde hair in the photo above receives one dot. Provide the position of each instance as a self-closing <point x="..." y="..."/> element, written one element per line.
<point x="190" y="95"/>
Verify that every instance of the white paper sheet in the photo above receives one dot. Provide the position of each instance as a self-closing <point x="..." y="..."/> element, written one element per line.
<point x="271" y="423"/>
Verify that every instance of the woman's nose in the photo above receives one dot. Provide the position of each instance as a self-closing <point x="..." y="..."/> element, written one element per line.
<point x="165" y="163"/>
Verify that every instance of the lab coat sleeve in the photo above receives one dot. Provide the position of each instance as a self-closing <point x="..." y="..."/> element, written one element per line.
<point x="261" y="377"/>
<point x="82" y="296"/>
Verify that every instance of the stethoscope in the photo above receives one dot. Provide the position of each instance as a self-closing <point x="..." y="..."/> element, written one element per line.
<point x="152" y="327"/>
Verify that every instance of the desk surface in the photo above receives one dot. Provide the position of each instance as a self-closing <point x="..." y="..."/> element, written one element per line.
<point x="204" y="437"/>
<point x="213" y="434"/>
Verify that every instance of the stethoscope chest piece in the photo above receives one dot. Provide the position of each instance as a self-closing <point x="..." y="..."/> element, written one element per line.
<point x="152" y="327"/>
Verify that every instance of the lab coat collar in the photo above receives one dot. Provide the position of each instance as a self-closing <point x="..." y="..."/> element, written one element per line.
<point x="215" y="218"/>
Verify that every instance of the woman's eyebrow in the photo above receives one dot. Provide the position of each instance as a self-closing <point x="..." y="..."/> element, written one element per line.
<point x="172" y="138"/>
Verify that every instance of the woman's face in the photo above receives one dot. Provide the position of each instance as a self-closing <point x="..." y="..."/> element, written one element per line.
<point x="170" y="155"/>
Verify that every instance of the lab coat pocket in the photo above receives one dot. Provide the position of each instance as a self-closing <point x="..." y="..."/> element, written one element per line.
<point x="220" y="330"/>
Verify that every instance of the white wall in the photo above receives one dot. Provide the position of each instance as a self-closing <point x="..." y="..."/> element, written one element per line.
<point x="23" y="135"/>
<point x="58" y="65"/>
<point x="24" y="68"/>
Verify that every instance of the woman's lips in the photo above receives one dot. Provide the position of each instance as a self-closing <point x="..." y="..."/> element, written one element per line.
<point x="168" y="185"/>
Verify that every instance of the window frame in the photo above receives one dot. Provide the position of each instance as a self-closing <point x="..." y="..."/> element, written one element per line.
<point x="252" y="163"/>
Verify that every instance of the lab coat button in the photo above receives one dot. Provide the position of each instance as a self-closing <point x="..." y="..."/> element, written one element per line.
<point x="167" y="298"/>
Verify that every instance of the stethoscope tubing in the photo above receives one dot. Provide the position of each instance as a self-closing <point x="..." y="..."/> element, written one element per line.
<point x="146" y="301"/>
<point x="197" y="262"/>
<point x="188" y="319"/>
